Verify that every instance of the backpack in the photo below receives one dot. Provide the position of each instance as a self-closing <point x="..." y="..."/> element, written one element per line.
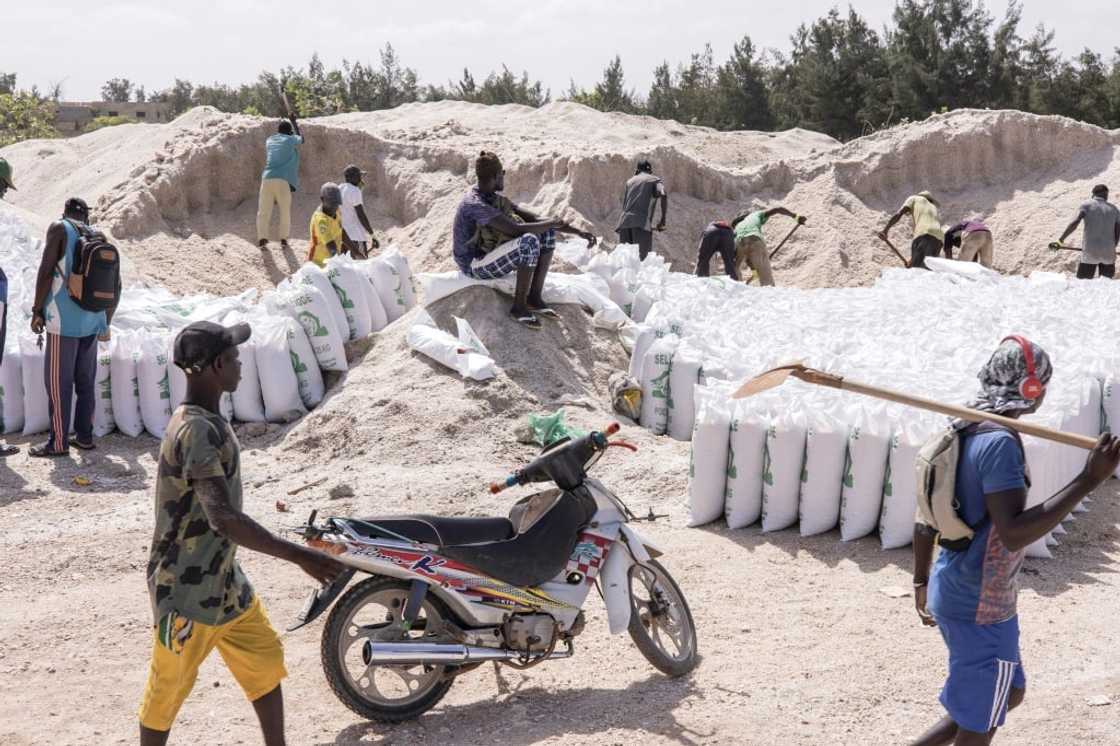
<point x="94" y="283"/>
<point x="936" y="465"/>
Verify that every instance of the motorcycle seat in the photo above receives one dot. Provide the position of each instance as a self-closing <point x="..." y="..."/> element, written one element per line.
<point x="439" y="530"/>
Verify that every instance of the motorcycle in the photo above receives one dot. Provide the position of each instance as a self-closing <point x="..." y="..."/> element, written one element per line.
<point x="446" y="595"/>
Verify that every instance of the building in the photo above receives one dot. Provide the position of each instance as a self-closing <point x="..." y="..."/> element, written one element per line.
<point x="71" y="117"/>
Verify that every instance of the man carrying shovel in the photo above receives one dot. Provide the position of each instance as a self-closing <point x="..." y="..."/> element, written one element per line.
<point x="749" y="244"/>
<point x="971" y="594"/>
<point x="1102" y="233"/>
<point x="928" y="235"/>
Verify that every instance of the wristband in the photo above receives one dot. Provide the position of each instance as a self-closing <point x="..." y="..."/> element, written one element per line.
<point x="922" y="584"/>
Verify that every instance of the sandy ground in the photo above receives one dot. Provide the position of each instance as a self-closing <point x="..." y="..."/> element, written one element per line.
<point x="800" y="644"/>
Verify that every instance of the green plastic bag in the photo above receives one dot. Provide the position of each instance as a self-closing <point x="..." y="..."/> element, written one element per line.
<point x="546" y="429"/>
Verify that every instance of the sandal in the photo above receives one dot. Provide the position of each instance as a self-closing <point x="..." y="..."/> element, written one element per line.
<point x="83" y="446"/>
<point x="525" y="318"/>
<point x="43" y="452"/>
<point x="546" y="311"/>
<point x="8" y="450"/>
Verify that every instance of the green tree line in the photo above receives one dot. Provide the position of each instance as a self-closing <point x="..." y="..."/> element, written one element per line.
<point x="839" y="76"/>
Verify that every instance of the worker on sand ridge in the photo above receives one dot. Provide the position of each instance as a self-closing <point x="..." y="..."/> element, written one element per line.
<point x="971" y="594"/>
<point x="718" y="238"/>
<point x="492" y="237"/>
<point x="355" y="224"/>
<point x="749" y="244"/>
<point x="1102" y="233"/>
<point x="639" y="198"/>
<point x="327" y="237"/>
<point x="278" y="180"/>
<point x="929" y="238"/>
<point x="200" y="597"/>
<point x="974" y="240"/>
<point x="5" y="178"/>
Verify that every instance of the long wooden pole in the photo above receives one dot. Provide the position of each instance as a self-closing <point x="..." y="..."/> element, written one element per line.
<point x="971" y="415"/>
<point x="901" y="258"/>
<point x="783" y="242"/>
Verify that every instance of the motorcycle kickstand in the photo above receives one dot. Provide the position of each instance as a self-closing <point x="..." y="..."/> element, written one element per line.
<point x="416" y="593"/>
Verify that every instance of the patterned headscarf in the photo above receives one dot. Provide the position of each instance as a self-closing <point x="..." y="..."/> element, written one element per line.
<point x="1001" y="375"/>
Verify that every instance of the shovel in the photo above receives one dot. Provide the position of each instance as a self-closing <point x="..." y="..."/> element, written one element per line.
<point x="777" y="376"/>
<point x="1052" y="247"/>
<point x="901" y="258"/>
<point x="783" y="243"/>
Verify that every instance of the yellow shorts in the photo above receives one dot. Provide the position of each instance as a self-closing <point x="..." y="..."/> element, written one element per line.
<point x="249" y="646"/>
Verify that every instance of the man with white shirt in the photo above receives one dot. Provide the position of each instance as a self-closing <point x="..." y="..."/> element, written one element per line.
<point x="358" y="238"/>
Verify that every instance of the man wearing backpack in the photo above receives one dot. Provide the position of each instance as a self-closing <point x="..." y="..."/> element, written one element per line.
<point x="72" y="333"/>
<point x="971" y="594"/>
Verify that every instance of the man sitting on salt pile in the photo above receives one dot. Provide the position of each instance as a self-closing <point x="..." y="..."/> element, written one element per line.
<point x="493" y="237"/>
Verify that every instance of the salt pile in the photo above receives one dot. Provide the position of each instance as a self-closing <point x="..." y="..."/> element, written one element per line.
<point x="299" y="332"/>
<point x="810" y="456"/>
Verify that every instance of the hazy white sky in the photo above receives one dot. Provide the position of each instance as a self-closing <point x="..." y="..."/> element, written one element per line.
<point x="151" y="42"/>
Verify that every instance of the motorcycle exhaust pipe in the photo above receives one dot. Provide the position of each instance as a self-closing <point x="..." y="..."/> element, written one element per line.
<point x="444" y="654"/>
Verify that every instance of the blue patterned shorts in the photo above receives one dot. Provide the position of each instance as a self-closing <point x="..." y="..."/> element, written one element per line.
<point x="523" y="251"/>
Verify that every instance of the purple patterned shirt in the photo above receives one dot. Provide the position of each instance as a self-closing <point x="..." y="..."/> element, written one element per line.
<point x="474" y="210"/>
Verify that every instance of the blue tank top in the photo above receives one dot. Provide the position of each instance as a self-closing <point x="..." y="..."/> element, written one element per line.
<point x="63" y="316"/>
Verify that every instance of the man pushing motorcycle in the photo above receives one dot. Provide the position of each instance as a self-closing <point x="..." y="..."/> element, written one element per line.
<point x="201" y="599"/>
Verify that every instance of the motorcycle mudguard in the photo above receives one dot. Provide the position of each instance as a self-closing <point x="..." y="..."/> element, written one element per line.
<point x="641" y="547"/>
<point x="615" y="581"/>
<point x="320" y="600"/>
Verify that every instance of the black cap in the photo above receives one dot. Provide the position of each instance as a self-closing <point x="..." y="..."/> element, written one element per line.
<point x="200" y="343"/>
<point x="76" y="205"/>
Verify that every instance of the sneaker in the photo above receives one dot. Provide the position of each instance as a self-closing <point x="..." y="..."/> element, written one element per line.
<point x="263" y="243"/>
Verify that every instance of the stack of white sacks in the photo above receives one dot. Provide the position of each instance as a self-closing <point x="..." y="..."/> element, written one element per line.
<point x="299" y="331"/>
<point x="816" y="458"/>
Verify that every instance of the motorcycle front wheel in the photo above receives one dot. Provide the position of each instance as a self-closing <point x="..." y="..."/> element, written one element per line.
<point x="371" y="612"/>
<point x="660" y="621"/>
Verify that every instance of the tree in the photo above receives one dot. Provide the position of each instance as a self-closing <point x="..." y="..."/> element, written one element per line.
<point x="662" y="101"/>
<point x="117" y="90"/>
<point x="24" y="116"/>
<point x="7" y="82"/>
<point x="610" y="93"/>
<point x="696" y="89"/>
<point x="140" y="95"/>
<point x="744" y="101"/>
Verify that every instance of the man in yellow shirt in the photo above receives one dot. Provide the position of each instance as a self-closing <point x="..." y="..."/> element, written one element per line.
<point x="928" y="234"/>
<point x="326" y="226"/>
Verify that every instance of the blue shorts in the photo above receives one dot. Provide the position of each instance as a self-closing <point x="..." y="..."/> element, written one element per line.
<point x="984" y="666"/>
<point x="523" y="251"/>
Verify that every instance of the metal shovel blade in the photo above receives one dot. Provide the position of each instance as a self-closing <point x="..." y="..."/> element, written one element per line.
<point x="765" y="381"/>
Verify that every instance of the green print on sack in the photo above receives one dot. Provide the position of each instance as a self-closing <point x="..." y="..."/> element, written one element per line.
<point x="660" y="385"/>
<point x="888" y="488"/>
<point x="106" y="389"/>
<point x="297" y="364"/>
<point x="165" y="387"/>
<point x="732" y="472"/>
<point x="311" y="324"/>
<point x="399" y="291"/>
<point x="136" y="387"/>
<point x="343" y="298"/>
<point x="849" y="479"/>
<point x="691" y="463"/>
<point x="767" y="470"/>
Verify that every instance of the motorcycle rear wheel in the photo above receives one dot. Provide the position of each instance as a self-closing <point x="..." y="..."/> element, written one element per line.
<point x="387" y="694"/>
<point x="661" y="623"/>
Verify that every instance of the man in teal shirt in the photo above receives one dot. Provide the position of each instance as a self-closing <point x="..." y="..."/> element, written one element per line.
<point x="749" y="244"/>
<point x="279" y="179"/>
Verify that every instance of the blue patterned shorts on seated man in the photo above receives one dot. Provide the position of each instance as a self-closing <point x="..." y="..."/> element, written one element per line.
<point x="523" y="251"/>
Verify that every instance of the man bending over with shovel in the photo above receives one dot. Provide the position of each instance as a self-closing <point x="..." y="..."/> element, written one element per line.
<point x="749" y="244"/>
<point x="493" y="237"/>
<point x="929" y="238"/>
<point x="971" y="594"/>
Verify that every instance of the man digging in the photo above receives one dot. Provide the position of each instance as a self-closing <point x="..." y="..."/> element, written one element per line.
<point x="1102" y="233"/>
<point x="929" y="238"/>
<point x="750" y="247"/>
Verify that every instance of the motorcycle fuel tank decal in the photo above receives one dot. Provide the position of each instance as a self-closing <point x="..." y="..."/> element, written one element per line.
<point x="588" y="555"/>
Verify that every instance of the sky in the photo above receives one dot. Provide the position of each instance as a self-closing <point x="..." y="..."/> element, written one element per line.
<point x="151" y="42"/>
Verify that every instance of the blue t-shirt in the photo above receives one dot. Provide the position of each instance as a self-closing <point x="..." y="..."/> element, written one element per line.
<point x="282" y="158"/>
<point x="980" y="584"/>
<point x="475" y="209"/>
<point x="63" y="316"/>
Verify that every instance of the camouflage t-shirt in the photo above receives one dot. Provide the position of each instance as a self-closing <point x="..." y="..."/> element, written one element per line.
<point x="491" y="238"/>
<point x="192" y="570"/>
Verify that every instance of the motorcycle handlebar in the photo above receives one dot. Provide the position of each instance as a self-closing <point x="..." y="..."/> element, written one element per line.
<point x="540" y="469"/>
